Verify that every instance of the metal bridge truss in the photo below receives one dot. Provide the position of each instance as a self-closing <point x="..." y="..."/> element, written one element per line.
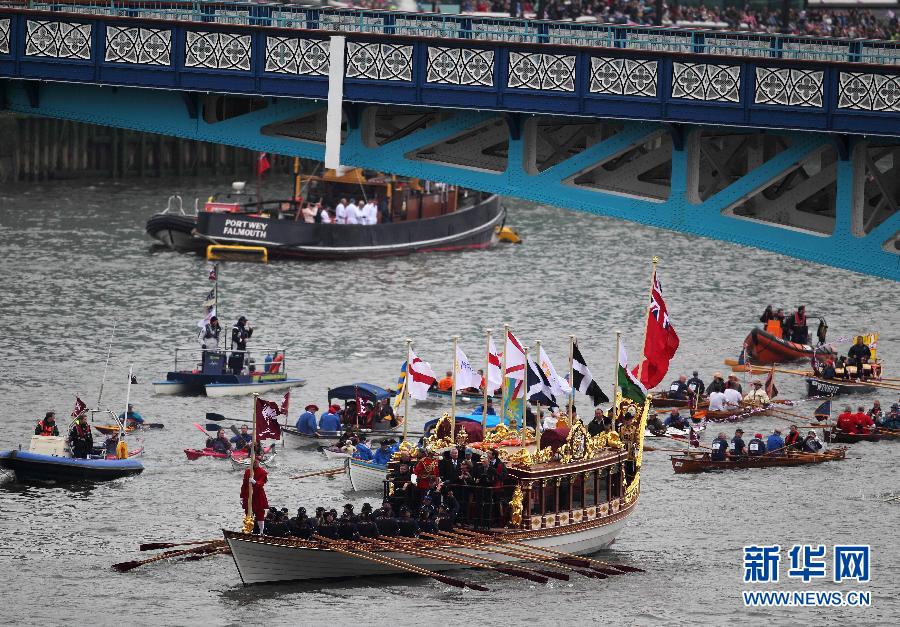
<point x="830" y="198"/>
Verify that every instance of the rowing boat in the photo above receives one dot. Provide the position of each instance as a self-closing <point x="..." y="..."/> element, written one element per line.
<point x="267" y="461"/>
<point x="816" y="386"/>
<point x="702" y="462"/>
<point x="366" y="476"/>
<point x="733" y="414"/>
<point x="765" y="348"/>
<point x="841" y="437"/>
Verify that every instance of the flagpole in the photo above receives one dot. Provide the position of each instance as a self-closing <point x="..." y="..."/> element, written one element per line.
<point x="487" y="376"/>
<point x="654" y="261"/>
<point x="537" y="416"/>
<point x="453" y="392"/>
<point x="503" y="375"/>
<point x="571" y="376"/>
<point x="127" y="401"/>
<point x="615" y="385"/>
<point x="524" y="396"/>
<point x="248" y="519"/>
<point x="406" y="392"/>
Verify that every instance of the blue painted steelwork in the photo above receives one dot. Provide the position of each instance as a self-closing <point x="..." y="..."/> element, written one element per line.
<point x="538" y="78"/>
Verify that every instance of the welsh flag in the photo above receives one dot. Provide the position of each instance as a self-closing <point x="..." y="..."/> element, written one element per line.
<point x="629" y="385"/>
<point x="662" y="341"/>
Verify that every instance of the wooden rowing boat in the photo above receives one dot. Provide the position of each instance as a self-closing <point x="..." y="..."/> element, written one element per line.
<point x="765" y="348"/>
<point x="816" y="386"/>
<point x="734" y="414"/>
<point x="841" y="437"/>
<point x="701" y="462"/>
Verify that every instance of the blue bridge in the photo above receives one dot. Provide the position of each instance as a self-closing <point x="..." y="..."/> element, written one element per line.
<point x="786" y="143"/>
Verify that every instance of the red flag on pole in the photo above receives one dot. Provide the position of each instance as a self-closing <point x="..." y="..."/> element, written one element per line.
<point x="771" y="390"/>
<point x="213" y="273"/>
<point x="267" y="427"/>
<point x="283" y="410"/>
<point x="80" y="407"/>
<point x="262" y="164"/>
<point x="662" y="341"/>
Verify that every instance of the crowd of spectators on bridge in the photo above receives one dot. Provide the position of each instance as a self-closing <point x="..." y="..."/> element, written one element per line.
<point x="847" y="23"/>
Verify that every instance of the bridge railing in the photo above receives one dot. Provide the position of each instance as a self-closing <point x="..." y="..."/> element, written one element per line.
<point x="448" y="26"/>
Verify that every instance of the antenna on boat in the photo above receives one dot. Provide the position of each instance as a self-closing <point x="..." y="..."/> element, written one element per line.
<point x="106" y="367"/>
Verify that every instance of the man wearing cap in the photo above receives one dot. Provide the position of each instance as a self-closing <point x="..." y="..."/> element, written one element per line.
<point x="717" y="384"/>
<point x="331" y="419"/>
<point x="738" y="447"/>
<point x="758" y="396"/>
<point x="775" y="443"/>
<point x="695" y="384"/>
<point x="209" y="334"/>
<point x="131" y="417"/>
<point x="756" y="446"/>
<point x="306" y="423"/>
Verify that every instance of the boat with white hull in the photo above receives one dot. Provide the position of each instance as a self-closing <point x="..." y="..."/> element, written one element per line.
<point x="366" y="476"/>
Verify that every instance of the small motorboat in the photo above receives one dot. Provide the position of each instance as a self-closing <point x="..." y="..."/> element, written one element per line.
<point x="817" y="386"/>
<point x="202" y="371"/>
<point x="702" y="462"/>
<point x="351" y="392"/>
<point x="765" y="348"/>
<point x="48" y="459"/>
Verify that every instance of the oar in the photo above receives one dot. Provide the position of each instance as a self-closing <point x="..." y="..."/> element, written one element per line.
<point x="219" y="417"/>
<point x="406" y="547"/>
<point x="519" y="555"/>
<point x="329" y="472"/>
<point x="220" y="551"/>
<point x="202" y="429"/>
<point x="153" y="546"/>
<point x="568" y="556"/>
<point x="123" y="567"/>
<point x="388" y="561"/>
<point x="533" y="557"/>
<point x="153" y="425"/>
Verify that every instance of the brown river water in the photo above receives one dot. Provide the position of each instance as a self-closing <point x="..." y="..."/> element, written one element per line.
<point x="75" y="259"/>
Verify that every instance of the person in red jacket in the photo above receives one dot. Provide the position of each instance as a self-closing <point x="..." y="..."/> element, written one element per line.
<point x="260" y="502"/>
<point x="863" y="420"/>
<point x="846" y="422"/>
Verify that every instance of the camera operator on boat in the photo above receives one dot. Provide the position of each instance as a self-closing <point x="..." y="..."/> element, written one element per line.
<point x="80" y="438"/>
<point x="240" y="333"/>
<point x="47" y="426"/>
<point x="209" y="334"/>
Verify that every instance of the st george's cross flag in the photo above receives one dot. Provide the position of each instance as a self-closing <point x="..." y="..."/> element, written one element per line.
<point x="584" y="380"/>
<point x="267" y="427"/>
<point x="661" y="342"/>
<point x="515" y="358"/>
<point x="466" y="375"/>
<point x="420" y="377"/>
<point x="494" y="376"/>
<point x="559" y="386"/>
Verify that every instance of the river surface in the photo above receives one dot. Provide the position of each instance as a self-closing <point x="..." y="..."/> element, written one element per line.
<point x="75" y="259"/>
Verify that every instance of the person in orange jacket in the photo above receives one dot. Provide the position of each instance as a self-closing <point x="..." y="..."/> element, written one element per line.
<point x="446" y="383"/>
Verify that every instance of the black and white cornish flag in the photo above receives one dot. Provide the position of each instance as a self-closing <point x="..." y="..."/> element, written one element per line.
<point x="584" y="380"/>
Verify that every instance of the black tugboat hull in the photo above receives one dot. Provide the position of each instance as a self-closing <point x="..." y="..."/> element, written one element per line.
<point x="469" y="228"/>
<point x="833" y="387"/>
<point x="175" y="231"/>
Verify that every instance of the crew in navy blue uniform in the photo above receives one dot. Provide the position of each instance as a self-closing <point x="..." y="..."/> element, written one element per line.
<point x="738" y="447"/>
<point x="695" y="385"/>
<point x="859" y="354"/>
<point x="756" y="446"/>
<point x="679" y="389"/>
<point x="240" y="333"/>
<point x="720" y="447"/>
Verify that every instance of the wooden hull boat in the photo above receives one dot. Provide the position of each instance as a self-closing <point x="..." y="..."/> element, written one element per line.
<point x="701" y="462"/>
<point x="835" y="387"/>
<point x="765" y="348"/>
<point x="268" y="560"/>
<point x="266" y="461"/>
<point x="737" y="413"/>
<point x="29" y="466"/>
<point x="840" y="437"/>
<point x="366" y="476"/>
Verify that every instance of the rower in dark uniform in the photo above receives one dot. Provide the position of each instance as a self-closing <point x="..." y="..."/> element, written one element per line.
<point x="80" y="438"/>
<point x="859" y="354"/>
<point x="756" y="446"/>
<point x="738" y="448"/>
<point x="366" y="524"/>
<point x="407" y="525"/>
<point x="329" y="528"/>
<point x="678" y="390"/>
<point x="695" y="385"/>
<point x="240" y="333"/>
<point x="719" y="448"/>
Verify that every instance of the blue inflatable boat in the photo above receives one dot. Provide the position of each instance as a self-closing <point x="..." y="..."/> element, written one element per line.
<point x="29" y="466"/>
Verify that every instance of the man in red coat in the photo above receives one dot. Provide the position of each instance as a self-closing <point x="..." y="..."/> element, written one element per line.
<point x="260" y="502"/>
<point x="846" y="422"/>
<point x="864" y="423"/>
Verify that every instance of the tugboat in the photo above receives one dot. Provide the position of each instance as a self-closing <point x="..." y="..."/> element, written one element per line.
<point x="412" y="216"/>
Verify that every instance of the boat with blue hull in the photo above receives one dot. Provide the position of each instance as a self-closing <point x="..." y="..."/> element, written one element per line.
<point x="48" y="459"/>
<point x="201" y="371"/>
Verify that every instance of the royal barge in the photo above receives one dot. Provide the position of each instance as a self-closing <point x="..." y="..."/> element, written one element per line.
<point x="574" y="495"/>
